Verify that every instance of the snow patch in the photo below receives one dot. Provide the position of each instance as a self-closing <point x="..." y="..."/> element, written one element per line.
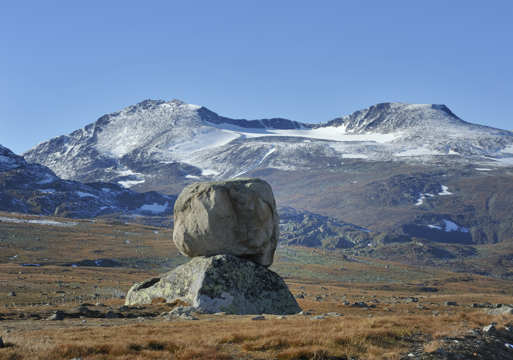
<point x="354" y="156"/>
<point x="84" y="194"/>
<point x="444" y="191"/>
<point x="155" y="208"/>
<point x="435" y="227"/>
<point x="192" y="177"/>
<point x="47" y="179"/>
<point x="324" y="133"/>
<point x="128" y="183"/>
<point x="421" y="199"/>
<point x="202" y="141"/>
<point x="273" y="149"/>
<point x="209" y="172"/>
<point x="483" y="169"/>
<point x="40" y="222"/>
<point x="417" y="152"/>
<point x="47" y="191"/>
<point x="450" y="226"/>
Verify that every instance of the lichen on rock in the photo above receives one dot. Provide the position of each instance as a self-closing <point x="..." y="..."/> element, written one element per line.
<point x="220" y="283"/>
<point x="236" y="217"/>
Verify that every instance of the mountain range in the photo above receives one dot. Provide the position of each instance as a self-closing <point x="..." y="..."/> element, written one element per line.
<point x="412" y="169"/>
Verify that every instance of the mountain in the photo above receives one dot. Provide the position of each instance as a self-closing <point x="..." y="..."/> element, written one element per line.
<point x="35" y="189"/>
<point x="412" y="169"/>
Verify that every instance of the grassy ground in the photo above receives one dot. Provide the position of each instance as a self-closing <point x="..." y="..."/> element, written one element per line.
<point x="325" y="281"/>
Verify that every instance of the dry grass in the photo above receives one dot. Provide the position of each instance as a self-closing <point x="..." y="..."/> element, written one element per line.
<point x="230" y="337"/>
<point x="367" y="334"/>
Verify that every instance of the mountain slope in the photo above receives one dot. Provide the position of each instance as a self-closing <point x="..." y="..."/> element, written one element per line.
<point x="33" y="188"/>
<point x="384" y="168"/>
<point x="192" y="141"/>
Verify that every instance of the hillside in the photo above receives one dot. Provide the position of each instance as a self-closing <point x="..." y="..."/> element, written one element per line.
<point x="35" y="189"/>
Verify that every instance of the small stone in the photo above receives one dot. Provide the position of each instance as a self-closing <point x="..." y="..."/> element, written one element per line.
<point x="450" y="303"/>
<point x="187" y="317"/>
<point x="259" y="317"/>
<point x="304" y="313"/>
<point x="442" y="352"/>
<point x="317" y="318"/>
<point x="333" y="314"/>
<point x="111" y="315"/>
<point x="281" y="317"/>
<point x="412" y="355"/>
<point x="2" y="345"/>
<point x="99" y="304"/>
<point x="12" y="293"/>
<point x="490" y="329"/>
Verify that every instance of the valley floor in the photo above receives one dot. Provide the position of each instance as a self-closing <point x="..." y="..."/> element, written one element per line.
<point x="61" y="290"/>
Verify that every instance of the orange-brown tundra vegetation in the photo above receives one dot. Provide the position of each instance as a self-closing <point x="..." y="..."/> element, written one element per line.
<point x="406" y="308"/>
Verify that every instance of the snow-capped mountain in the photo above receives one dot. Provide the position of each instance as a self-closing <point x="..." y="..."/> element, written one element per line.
<point x="132" y="146"/>
<point x="383" y="168"/>
<point x="33" y="188"/>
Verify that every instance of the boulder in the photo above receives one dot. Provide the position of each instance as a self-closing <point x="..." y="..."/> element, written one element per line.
<point x="505" y="310"/>
<point x="236" y="217"/>
<point x="220" y="283"/>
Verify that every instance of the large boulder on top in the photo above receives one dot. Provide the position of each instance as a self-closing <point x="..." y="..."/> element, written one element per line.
<point x="236" y="217"/>
<point x="220" y="283"/>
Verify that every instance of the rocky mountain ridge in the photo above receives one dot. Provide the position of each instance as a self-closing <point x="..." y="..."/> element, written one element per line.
<point x="414" y="169"/>
<point x="35" y="189"/>
<point x="198" y="143"/>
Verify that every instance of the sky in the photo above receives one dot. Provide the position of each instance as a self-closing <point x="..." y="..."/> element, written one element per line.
<point x="64" y="64"/>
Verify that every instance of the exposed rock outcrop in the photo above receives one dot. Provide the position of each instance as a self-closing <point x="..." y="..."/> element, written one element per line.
<point x="220" y="283"/>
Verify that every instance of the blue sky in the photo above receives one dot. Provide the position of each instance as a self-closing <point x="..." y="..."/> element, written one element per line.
<point x="64" y="64"/>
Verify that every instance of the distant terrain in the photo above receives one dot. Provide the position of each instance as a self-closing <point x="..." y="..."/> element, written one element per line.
<point x="405" y="182"/>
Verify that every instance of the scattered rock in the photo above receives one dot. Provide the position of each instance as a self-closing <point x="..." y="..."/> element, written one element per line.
<point x="111" y="315"/>
<point x="333" y="314"/>
<point x="59" y="315"/>
<point x="2" y="345"/>
<point x="12" y="293"/>
<point x="360" y="304"/>
<point x="82" y="309"/>
<point x="304" y="313"/>
<point x="504" y="310"/>
<point x="281" y="317"/>
<point x="317" y="318"/>
<point x="236" y="217"/>
<point x="410" y="299"/>
<point x="450" y="303"/>
<point x="490" y="329"/>
<point x="187" y="317"/>
<point x="256" y="318"/>
<point x="220" y="283"/>
<point x="442" y="352"/>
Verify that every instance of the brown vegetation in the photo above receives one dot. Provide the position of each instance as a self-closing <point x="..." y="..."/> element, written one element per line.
<point x="325" y="282"/>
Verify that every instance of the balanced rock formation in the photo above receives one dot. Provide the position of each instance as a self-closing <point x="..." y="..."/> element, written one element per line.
<point x="220" y="283"/>
<point x="236" y="217"/>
